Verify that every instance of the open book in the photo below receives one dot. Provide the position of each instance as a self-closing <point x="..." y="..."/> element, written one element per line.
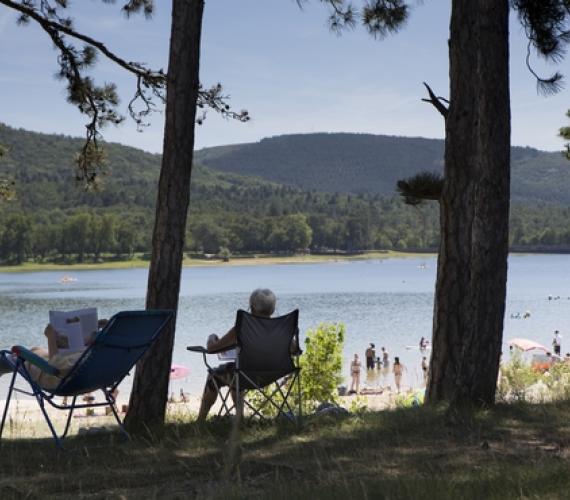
<point x="74" y="328"/>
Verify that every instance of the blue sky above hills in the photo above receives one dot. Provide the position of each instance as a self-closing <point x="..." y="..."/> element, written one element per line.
<point x="280" y="63"/>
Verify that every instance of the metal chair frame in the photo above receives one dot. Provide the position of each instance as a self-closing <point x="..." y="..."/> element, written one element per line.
<point x="47" y="395"/>
<point x="283" y="409"/>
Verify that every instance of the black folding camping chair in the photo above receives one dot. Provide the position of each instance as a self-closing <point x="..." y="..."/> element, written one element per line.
<point x="267" y="361"/>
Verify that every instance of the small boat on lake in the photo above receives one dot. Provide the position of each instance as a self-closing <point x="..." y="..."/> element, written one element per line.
<point x="67" y="279"/>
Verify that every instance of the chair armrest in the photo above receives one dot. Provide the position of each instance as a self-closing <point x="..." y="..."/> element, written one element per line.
<point x="203" y="350"/>
<point x="197" y="348"/>
<point x="34" y="359"/>
<point x="223" y="349"/>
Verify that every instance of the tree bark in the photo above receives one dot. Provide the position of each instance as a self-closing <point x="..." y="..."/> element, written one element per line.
<point x="150" y="387"/>
<point x="472" y="264"/>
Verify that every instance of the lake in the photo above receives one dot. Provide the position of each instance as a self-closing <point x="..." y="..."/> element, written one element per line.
<point x="388" y="302"/>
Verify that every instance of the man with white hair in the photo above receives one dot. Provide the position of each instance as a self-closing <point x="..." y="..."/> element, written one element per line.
<point x="261" y="303"/>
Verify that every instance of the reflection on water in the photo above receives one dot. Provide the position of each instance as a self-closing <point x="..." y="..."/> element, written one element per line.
<point x="388" y="303"/>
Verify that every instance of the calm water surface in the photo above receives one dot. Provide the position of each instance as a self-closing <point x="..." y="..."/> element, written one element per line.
<point x="388" y="302"/>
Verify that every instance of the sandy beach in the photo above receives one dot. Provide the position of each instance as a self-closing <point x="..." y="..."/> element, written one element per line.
<point x="25" y="421"/>
<point x="245" y="260"/>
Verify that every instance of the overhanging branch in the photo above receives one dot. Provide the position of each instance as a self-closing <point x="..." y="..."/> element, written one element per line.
<point x="100" y="103"/>
<point x="135" y="68"/>
<point x="436" y="101"/>
<point x="420" y="187"/>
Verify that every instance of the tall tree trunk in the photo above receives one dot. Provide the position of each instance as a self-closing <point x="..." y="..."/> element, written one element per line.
<point x="472" y="264"/>
<point x="150" y="388"/>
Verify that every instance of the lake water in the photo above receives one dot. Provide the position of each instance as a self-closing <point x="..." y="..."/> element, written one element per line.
<point x="388" y="302"/>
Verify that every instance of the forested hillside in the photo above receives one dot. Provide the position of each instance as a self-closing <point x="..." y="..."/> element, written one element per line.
<point x="52" y="219"/>
<point x="364" y="163"/>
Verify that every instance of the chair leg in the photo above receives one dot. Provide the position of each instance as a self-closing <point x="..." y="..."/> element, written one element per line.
<point x="111" y="402"/>
<point x="269" y="399"/>
<point x="224" y="401"/>
<point x="239" y="400"/>
<point x="10" y="390"/>
<point x="40" y="400"/>
<point x="300" y="401"/>
<point x="285" y="403"/>
<point x="257" y="411"/>
<point x="69" y="417"/>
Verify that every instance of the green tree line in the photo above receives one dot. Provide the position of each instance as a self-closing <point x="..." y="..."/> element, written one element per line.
<point x="257" y="218"/>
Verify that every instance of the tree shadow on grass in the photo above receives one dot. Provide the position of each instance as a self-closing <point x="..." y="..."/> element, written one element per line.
<point x="505" y="452"/>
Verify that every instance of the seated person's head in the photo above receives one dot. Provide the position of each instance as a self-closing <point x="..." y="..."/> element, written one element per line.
<point x="262" y="302"/>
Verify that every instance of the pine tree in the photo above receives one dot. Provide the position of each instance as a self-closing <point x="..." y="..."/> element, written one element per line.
<point x="181" y="90"/>
<point x="475" y="190"/>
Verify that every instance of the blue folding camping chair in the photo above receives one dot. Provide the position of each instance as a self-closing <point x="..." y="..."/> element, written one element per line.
<point x="102" y="366"/>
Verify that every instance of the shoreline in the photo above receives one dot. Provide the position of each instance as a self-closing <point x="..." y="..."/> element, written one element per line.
<point x="249" y="260"/>
<point x="254" y="260"/>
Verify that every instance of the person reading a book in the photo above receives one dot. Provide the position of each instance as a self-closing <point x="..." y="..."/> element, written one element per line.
<point x="261" y="303"/>
<point x="59" y="358"/>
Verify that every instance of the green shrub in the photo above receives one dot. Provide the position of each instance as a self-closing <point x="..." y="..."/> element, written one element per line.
<point x="321" y="363"/>
<point x="224" y="254"/>
<point x="557" y="379"/>
<point x="516" y="377"/>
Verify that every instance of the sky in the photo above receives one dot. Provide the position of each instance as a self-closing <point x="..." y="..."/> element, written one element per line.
<point x="279" y="62"/>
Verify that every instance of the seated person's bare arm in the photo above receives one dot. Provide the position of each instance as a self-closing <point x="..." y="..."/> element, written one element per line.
<point x="228" y="341"/>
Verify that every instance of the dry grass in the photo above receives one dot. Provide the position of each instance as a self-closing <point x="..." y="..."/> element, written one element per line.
<point x="513" y="451"/>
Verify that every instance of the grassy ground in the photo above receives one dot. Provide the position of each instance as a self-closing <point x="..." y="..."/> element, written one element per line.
<point x="515" y="451"/>
<point x="234" y="261"/>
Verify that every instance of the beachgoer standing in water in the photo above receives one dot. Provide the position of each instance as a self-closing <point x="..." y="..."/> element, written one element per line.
<point x="370" y="356"/>
<point x="385" y="358"/>
<point x="398" y="370"/>
<point x="355" y="375"/>
<point x="557" y="342"/>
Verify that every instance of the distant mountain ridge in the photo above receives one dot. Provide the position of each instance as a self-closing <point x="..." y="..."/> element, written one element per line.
<point x="343" y="162"/>
<point x="366" y="163"/>
<point x="42" y="166"/>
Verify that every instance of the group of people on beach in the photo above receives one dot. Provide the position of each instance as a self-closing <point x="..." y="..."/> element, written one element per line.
<point x="374" y="363"/>
<point x="382" y="363"/>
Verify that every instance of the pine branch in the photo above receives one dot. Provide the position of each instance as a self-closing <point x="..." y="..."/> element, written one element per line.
<point x="380" y="17"/>
<point x="383" y="17"/>
<point x="546" y="24"/>
<point x="436" y="101"/>
<point x="156" y="77"/>
<point x="544" y="86"/>
<point x="420" y="187"/>
<point x="340" y="18"/>
<point x="100" y="103"/>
